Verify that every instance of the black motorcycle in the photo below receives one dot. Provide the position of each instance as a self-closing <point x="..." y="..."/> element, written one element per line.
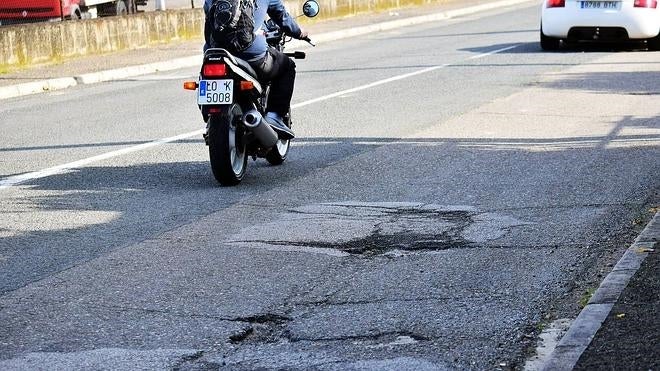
<point x="233" y="104"/>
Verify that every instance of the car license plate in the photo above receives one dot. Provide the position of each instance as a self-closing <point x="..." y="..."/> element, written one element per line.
<point x="600" y="4"/>
<point x="215" y="92"/>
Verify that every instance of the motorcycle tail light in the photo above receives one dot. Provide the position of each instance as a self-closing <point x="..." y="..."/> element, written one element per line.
<point x="556" y="3"/>
<point x="247" y="85"/>
<point x="214" y="70"/>
<point x="646" y="4"/>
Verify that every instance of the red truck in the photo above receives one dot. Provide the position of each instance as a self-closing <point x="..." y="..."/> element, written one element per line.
<point x="23" y="11"/>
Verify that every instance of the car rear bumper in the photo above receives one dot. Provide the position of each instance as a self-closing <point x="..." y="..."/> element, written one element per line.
<point x="639" y="23"/>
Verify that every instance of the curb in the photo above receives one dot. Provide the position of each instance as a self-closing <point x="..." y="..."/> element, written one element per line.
<point x="584" y="328"/>
<point x="132" y="71"/>
<point x="36" y="87"/>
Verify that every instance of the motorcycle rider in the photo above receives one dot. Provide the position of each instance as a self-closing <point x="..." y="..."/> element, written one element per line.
<point x="269" y="63"/>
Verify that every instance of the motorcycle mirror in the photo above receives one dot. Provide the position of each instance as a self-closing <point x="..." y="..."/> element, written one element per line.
<point x="311" y="8"/>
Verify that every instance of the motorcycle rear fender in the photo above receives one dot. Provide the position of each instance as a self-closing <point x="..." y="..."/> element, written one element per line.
<point x="235" y="69"/>
<point x="218" y="54"/>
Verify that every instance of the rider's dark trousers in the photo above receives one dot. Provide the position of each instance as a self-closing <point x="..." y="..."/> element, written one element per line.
<point x="280" y="70"/>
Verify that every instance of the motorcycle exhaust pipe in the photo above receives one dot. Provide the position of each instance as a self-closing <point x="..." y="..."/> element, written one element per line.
<point x="258" y="126"/>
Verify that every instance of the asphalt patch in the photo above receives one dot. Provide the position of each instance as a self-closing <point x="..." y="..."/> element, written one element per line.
<point x="370" y="229"/>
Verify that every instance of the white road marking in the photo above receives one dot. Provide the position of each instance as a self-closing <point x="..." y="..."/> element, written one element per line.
<point x="22" y="178"/>
<point x="367" y="86"/>
<point x="394" y="78"/>
<point x="162" y="77"/>
<point x="494" y="52"/>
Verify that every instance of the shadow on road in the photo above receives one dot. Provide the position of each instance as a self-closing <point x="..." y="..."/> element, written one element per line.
<point x="567" y="48"/>
<point x="630" y="83"/>
<point x="123" y="205"/>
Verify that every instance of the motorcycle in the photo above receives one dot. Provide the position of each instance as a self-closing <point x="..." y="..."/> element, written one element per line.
<point x="233" y="104"/>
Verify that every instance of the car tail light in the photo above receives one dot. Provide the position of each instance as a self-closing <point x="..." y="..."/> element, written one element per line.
<point x="556" y="3"/>
<point x="646" y="4"/>
<point x="213" y="70"/>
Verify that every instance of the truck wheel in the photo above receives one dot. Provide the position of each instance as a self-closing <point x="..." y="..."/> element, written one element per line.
<point x="121" y="8"/>
<point x="75" y="13"/>
<point x="130" y="5"/>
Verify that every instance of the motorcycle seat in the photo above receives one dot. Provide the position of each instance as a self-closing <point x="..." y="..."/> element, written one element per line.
<point x="246" y="66"/>
<point x="218" y="52"/>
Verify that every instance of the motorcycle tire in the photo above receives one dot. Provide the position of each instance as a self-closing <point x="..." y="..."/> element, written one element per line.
<point x="227" y="150"/>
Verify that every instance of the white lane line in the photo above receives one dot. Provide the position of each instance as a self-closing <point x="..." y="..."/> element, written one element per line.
<point x="161" y="77"/>
<point x="22" y="178"/>
<point x="394" y="78"/>
<point x="494" y="52"/>
<point x="367" y="86"/>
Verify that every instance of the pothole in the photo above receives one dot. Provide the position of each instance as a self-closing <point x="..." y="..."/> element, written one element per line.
<point x="371" y="229"/>
<point x="261" y="328"/>
<point x="396" y="340"/>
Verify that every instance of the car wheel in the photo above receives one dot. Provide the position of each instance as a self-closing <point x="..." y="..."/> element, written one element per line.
<point x="549" y="43"/>
<point x="654" y="43"/>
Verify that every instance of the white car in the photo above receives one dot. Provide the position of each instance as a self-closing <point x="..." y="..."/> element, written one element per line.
<point x="616" y="20"/>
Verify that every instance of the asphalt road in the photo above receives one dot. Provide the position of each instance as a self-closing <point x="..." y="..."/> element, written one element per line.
<point x="451" y="191"/>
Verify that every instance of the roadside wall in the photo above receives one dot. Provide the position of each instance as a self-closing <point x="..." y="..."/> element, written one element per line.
<point x="52" y="42"/>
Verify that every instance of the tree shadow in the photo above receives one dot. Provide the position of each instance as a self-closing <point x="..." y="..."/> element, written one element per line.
<point x="123" y="205"/>
<point x="115" y="206"/>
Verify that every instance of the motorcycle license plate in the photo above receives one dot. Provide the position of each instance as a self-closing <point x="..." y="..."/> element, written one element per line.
<point x="215" y="92"/>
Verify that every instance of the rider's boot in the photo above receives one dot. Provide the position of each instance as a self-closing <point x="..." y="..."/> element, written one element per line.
<point x="277" y="123"/>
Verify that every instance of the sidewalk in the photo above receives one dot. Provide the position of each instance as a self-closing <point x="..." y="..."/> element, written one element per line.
<point x="627" y="339"/>
<point x="619" y="328"/>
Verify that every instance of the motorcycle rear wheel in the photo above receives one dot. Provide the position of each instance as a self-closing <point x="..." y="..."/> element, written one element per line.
<point x="227" y="148"/>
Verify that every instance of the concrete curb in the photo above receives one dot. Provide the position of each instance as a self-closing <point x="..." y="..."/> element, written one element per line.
<point x="584" y="328"/>
<point x="36" y="87"/>
<point x="132" y="71"/>
<point x="13" y="91"/>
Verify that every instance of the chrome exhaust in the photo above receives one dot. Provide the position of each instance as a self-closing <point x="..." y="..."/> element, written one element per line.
<point x="258" y="126"/>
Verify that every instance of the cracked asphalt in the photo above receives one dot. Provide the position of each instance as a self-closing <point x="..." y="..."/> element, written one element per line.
<point x="436" y="221"/>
